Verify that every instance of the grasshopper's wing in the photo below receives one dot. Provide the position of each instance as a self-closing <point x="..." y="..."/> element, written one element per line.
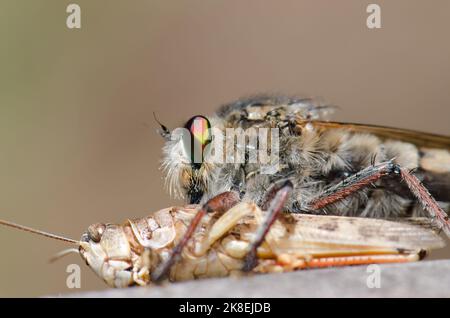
<point x="420" y="139"/>
<point x="423" y="222"/>
<point x="335" y="235"/>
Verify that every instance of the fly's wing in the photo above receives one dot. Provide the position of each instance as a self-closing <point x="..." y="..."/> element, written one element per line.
<point x="319" y="235"/>
<point x="434" y="161"/>
<point x="418" y="138"/>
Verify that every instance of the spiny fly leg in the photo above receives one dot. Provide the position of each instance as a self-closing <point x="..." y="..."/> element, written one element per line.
<point x="278" y="198"/>
<point x="220" y="203"/>
<point x="427" y="201"/>
<point x="350" y="185"/>
<point x="372" y="174"/>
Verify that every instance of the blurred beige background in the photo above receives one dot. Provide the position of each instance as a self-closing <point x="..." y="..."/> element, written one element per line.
<point x="76" y="129"/>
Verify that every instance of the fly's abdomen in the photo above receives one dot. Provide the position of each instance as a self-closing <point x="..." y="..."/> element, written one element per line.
<point x="434" y="171"/>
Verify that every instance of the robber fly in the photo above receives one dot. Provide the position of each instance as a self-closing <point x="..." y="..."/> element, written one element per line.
<point x="324" y="167"/>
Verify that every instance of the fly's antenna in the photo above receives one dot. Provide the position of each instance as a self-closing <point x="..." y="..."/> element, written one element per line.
<point x="163" y="131"/>
<point x="38" y="232"/>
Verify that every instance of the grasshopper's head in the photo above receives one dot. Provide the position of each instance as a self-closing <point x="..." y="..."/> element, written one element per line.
<point x="121" y="254"/>
<point x="106" y="249"/>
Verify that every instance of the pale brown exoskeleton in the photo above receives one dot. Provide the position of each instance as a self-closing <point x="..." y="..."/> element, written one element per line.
<point x="128" y="254"/>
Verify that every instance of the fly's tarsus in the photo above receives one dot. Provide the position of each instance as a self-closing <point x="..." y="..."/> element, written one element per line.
<point x="426" y="200"/>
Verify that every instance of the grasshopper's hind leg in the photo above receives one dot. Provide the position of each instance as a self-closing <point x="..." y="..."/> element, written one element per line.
<point x="286" y="262"/>
<point x="338" y="261"/>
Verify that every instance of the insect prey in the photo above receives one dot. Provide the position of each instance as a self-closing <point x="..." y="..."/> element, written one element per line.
<point x="128" y="254"/>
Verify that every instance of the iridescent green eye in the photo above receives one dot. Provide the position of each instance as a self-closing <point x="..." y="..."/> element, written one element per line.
<point x="199" y="129"/>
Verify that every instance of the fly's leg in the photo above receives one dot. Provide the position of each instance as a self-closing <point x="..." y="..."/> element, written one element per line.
<point x="427" y="201"/>
<point x="220" y="203"/>
<point x="350" y="185"/>
<point x="373" y="173"/>
<point x="276" y="200"/>
<point x="342" y="190"/>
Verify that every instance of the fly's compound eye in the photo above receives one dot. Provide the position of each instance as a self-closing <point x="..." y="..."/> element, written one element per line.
<point x="200" y="136"/>
<point x="95" y="231"/>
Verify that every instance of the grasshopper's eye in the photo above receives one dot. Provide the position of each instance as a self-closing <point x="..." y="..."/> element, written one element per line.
<point x="199" y="129"/>
<point x="95" y="231"/>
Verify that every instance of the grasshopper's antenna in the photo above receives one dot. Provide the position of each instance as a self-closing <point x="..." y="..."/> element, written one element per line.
<point x="31" y="230"/>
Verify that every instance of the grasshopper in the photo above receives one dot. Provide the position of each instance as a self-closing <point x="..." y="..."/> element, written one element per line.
<point x="130" y="254"/>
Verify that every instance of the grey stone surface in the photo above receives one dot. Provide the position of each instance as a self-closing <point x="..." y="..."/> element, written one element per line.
<point x="421" y="279"/>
